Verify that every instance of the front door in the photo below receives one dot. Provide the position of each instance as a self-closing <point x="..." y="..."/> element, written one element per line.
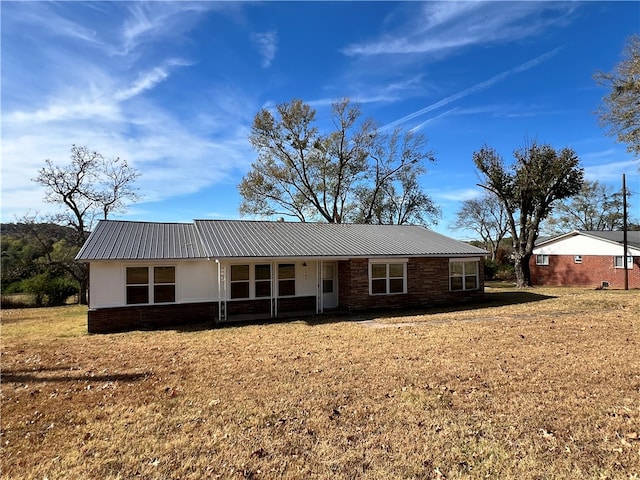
<point x="329" y="285"/>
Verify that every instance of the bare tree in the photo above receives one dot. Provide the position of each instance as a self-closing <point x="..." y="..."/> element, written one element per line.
<point x="344" y="175"/>
<point x="595" y="207"/>
<point x="528" y="189"/>
<point x="620" y="111"/>
<point x="89" y="187"/>
<point x="485" y="216"/>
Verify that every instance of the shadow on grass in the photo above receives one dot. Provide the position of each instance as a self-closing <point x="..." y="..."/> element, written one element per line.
<point x="490" y="300"/>
<point x="35" y="376"/>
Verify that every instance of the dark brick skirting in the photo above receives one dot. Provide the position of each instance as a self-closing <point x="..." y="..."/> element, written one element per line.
<point x="148" y="317"/>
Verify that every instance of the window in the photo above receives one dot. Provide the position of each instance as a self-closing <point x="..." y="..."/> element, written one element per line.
<point x="463" y="275"/>
<point x="618" y="262"/>
<point x="239" y="281"/>
<point x="286" y="279"/>
<point x="138" y="282"/>
<point x="542" y="259"/>
<point x="387" y="278"/>
<point x="263" y="280"/>
<point x="137" y="285"/>
<point x="577" y="259"/>
<point x="327" y="279"/>
<point x="164" y="284"/>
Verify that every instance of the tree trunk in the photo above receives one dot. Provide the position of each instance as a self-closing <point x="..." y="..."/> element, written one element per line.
<point x="523" y="272"/>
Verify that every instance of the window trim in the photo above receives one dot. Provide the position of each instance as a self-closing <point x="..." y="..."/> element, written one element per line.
<point x="237" y="282"/>
<point x="287" y="279"/>
<point x="463" y="275"/>
<point x="252" y="280"/>
<point x="164" y="284"/>
<point x="388" y="278"/>
<point x="621" y="265"/>
<point x="542" y="259"/>
<point x="151" y="284"/>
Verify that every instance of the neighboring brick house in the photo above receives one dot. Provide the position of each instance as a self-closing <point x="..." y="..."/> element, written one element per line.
<point x="587" y="259"/>
<point x="149" y="275"/>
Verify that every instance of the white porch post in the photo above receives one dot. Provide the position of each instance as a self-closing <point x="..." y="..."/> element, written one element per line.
<point x="222" y="292"/>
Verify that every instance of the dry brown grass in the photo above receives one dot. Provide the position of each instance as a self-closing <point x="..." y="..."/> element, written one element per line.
<point x="529" y="385"/>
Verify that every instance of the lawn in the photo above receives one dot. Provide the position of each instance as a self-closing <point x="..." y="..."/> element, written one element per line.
<point x="538" y="384"/>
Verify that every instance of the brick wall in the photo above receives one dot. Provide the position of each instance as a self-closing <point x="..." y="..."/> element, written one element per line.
<point x="142" y="317"/>
<point x="563" y="271"/>
<point x="427" y="285"/>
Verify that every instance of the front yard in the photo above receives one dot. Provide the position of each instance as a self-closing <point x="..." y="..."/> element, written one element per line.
<point x="529" y="385"/>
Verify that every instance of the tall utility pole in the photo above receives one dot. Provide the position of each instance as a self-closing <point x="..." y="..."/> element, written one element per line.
<point x="625" y="243"/>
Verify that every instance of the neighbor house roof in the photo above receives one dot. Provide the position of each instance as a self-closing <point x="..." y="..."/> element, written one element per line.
<point x="118" y="240"/>
<point x="633" y="237"/>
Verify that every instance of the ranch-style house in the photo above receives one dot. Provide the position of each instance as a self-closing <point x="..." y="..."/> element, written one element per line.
<point x="161" y="275"/>
<point x="587" y="259"/>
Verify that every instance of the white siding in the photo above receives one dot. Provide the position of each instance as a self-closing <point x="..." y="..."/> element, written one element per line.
<point x="582" y="245"/>
<point x="196" y="281"/>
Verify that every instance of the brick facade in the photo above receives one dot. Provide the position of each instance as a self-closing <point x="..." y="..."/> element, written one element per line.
<point x="144" y="317"/>
<point x="427" y="285"/>
<point x="594" y="269"/>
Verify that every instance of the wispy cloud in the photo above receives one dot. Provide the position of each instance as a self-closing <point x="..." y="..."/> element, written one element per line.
<point x="88" y="96"/>
<point x="473" y="89"/>
<point x="438" y="27"/>
<point x="267" y="45"/>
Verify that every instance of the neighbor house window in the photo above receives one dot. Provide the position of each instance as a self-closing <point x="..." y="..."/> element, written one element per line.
<point x="387" y="277"/>
<point x="464" y="275"/>
<point x="137" y="285"/>
<point x="239" y="281"/>
<point x="542" y="259"/>
<point x="286" y="279"/>
<point x="618" y="262"/>
<point x="263" y="280"/>
<point x="577" y="259"/>
<point x="164" y="284"/>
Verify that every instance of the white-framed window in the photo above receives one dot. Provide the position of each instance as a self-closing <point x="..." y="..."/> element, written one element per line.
<point x="618" y="262"/>
<point x="150" y="284"/>
<point x="164" y="284"/>
<point x="262" y="282"/>
<point x="249" y="281"/>
<point x="286" y="279"/>
<point x="542" y="259"/>
<point x="239" y="281"/>
<point x="387" y="277"/>
<point x="464" y="274"/>
<point x="577" y="259"/>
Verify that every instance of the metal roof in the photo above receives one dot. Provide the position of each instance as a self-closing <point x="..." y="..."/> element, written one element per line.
<point x="616" y="236"/>
<point x="121" y="240"/>
<point x="232" y="238"/>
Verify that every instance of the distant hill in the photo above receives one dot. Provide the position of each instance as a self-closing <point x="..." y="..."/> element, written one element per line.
<point x="52" y="231"/>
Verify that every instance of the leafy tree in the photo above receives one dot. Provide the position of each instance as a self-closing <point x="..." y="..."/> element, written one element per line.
<point x="487" y="217"/>
<point x="620" y="111"/>
<point x="353" y="173"/>
<point x="528" y="189"/>
<point x="89" y="187"/>
<point x="595" y="207"/>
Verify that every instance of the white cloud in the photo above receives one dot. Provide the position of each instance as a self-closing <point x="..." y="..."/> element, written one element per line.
<point x="267" y="45"/>
<point x="473" y="89"/>
<point x="439" y="27"/>
<point x="95" y="99"/>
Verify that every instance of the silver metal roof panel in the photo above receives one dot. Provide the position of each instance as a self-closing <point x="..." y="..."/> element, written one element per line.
<point x="121" y="240"/>
<point x="236" y="238"/>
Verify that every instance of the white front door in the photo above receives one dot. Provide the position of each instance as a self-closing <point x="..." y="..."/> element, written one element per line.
<point x="329" y="285"/>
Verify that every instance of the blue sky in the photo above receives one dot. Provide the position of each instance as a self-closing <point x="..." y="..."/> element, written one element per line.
<point x="173" y="87"/>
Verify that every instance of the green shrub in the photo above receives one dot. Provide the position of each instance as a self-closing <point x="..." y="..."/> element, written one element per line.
<point x="49" y="291"/>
